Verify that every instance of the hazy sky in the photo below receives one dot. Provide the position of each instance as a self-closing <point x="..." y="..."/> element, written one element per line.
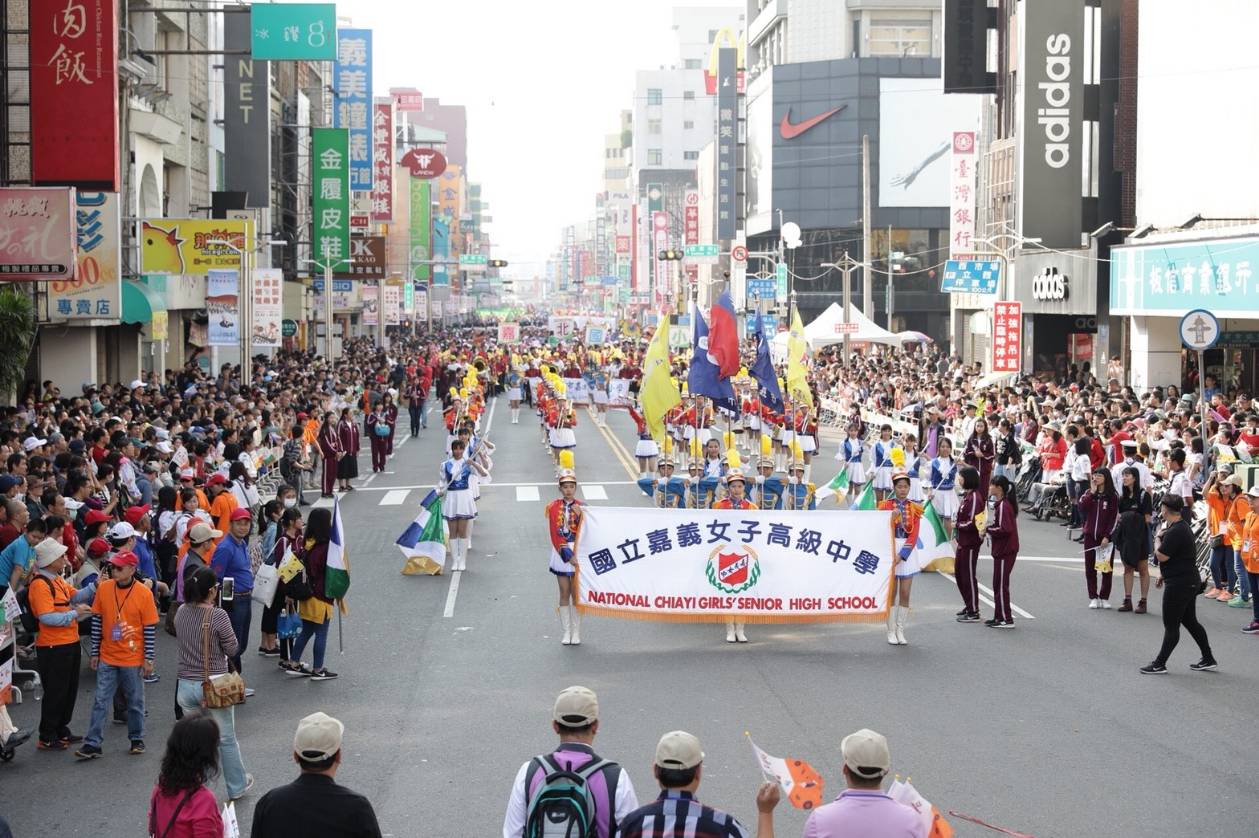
<point x="543" y="83"/>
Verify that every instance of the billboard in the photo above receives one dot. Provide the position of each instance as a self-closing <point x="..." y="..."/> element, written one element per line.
<point x="727" y="144"/>
<point x="186" y="245"/>
<point x="966" y="47"/>
<point x="918" y="121"/>
<point x="382" y="160"/>
<point x="222" y="306"/>
<point x="246" y="116"/>
<point x="962" y="165"/>
<point x="37" y="232"/>
<point x="368" y="259"/>
<point x="268" y="307"/>
<point x="371" y="304"/>
<point x="421" y="231"/>
<point x="760" y="152"/>
<point x="330" y="194"/>
<point x="1170" y="278"/>
<point x="95" y="292"/>
<point x="74" y="93"/>
<point x="352" y="88"/>
<point x="294" y="31"/>
<point x="1051" y="85"/>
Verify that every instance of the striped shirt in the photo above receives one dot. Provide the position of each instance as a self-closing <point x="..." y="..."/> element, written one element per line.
<point x="191" y="640"/>
<point x="677" y="814"/>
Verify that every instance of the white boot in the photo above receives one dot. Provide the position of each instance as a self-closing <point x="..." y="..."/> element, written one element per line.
<point x="738" y="632"/>
<point x="462" y="555"/>
<point x="566" y="622"/>
<point x="902" y="614"/>
<point x="730" y="635"/>
<point x="891" y="625"/>
<point x="808" y="472"/>
<point x="575" y="619"/>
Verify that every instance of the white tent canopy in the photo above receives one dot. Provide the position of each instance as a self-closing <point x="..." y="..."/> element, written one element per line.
<point x="826" y="329"/>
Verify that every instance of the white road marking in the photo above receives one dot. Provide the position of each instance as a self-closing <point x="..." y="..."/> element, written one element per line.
<point x="395" y="497"/>
<point x="987" y="600"/>
<point x="1054" y="559"/>
<point x="367" y="481"/>
<point x="496" y="484"/>
<point x="527" y="493"/>
<point x="452" y="593"/>
<point x="402" y="442"/>
<point x="489" y="420"/>
<point x="594" y="491"/>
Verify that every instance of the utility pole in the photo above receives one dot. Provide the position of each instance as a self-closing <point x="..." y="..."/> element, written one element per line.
<point x="867" y="283"/>
<point x="847" y="264"/>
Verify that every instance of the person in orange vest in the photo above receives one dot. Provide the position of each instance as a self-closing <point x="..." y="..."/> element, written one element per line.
<point x="563" y="521"/>
<point x="736" y="498"/>
<point x="222" y="503"/>
<point x="1250" y="557"/>
<point x="906" y="519"/>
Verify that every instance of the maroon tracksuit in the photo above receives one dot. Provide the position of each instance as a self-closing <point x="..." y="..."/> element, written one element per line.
<point x="1099" y="513"/>
<point x="329" y="451"/>
<point x="968" y="541"/>
<point x="1003" y="534"/>
<point x="980" y="454"/>
<point x="379" y="444"/>
<point x="390" y="414"/>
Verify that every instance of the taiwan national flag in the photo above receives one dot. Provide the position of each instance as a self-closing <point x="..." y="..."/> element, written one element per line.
<point x="704" y="378"/>
<point x="723" y="336"/>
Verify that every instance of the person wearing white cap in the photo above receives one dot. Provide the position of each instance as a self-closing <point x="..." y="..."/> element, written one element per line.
<point x="676" y="813"/>
<point x="863" y="809"/>
<point x="541" y="783"/>
<point x="314" y="804"/>
<point x="563" y="521"/>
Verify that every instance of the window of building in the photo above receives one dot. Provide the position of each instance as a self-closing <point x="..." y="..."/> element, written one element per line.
<point x="654" y="126"/>
<point x="688" y="124"/>
<point x="692" y="64"/>
<point x="655" y="157"/>
<point x="899" y="38"/>
<point x="655" y="96"/>
<point x="690" y="155"/>
<point x="712" y="35"/>
<point x="688" y="95"/>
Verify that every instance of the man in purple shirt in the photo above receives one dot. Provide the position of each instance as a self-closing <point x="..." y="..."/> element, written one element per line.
<point x="863" y="810"/>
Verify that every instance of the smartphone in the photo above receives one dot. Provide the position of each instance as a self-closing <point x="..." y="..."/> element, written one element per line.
<point x="227" y="589"/>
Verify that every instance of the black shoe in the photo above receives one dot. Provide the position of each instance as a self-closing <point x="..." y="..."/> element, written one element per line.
<point x="1204" y="665"/>
<point x="69" y="738"/>
<point x="1154" y="669"/>
<point x="324" y="674"/>
<point x="269" y="653"/>
<point x="16" y="738"/>
<point x="86" y="752"/>
<point x="968" y="617"/>
<point x="1004" y="624"/>
<point x="961" y="613"/>
<point x="119" y="721"/>
<point x="137" y="747"/>
<point x="991" y="623"/>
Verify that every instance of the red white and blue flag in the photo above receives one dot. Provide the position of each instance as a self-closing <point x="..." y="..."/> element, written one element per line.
<point x="723" y="337"/>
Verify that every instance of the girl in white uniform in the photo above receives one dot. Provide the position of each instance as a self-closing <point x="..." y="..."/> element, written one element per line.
<point x="883" y="462"/>
<point x="851" y="453"/>
<point x="514" y="381"/>
<point x="458" y="507"/>
<point x="599" y="395"/>
<point x="913" y="467"/>
<point x="943" y="485"/>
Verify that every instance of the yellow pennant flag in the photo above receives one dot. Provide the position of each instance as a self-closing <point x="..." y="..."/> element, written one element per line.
<point x="658" y="393"/>
<point x="797" y="362"/>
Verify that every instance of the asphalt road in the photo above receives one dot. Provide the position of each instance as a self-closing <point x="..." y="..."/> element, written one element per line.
<point x="1048" y="730"/>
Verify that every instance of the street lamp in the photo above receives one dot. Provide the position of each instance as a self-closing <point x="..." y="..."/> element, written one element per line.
<point x="327" y="268"/>
<point x="246" y="299"/>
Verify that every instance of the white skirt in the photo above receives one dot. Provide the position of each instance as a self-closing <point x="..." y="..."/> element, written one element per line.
<point x="857" y="472"/>
<point x="752" y="423"/>
<point x="458" y="503"/>
<point x="558" y="566"/>
<point x="599" y="396"/>
<point x="646" y="448"/>
<point x="883" y="477"/>
<point x="915" y="490"/>
<point x="945" y="502"/>
<point x="562" y="438"/>
<point x="785" y="437"/>
<point x="807" y="443"/>
<point x="907" y="567"/>
<point x="513" y="394"/>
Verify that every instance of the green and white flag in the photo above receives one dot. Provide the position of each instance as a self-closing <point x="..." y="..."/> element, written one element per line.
<point x="837" y="486"/>
<point x="865" y="499"/>
<point x="337" y="575"/>
<point x="933" y="544"/>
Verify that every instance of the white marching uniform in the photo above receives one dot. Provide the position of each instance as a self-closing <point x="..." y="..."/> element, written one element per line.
<point x="944" y="481"/>
<point x="883" y="464"/>
<point x="456" y="479"/>
<point x="850" y="454"/>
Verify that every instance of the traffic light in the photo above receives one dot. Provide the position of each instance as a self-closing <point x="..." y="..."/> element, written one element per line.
<point x="497" y="263"/>
<point x="670" y="255"/>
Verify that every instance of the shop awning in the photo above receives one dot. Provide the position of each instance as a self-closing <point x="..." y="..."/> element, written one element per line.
<point x="140" y="302"/>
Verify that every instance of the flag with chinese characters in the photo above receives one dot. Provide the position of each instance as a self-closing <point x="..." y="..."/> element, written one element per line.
<point x="800" y="782"/>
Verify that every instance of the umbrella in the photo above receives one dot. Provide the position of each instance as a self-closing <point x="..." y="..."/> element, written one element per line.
<point x="913" y="337"/>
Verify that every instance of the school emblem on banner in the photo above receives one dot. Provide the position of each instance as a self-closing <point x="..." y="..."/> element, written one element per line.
<point x="733" y="569"/>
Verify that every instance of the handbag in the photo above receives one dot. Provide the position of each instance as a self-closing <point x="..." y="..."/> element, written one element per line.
<point x="226" y="690"/>
<point x="288" y="625"/>
<point x="381" y="429"/>
<point x="299" y="587"/>
<point x="1102" y="558"/>
<point x="266" y="581"/>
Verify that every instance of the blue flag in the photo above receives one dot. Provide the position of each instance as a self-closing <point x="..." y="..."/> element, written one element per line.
<point x="704" y="377"/>
<point x="762" y="372"/>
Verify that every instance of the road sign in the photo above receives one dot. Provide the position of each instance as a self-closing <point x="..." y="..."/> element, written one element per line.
<point x="288" y="328"/>
<point x="971" y="276"/>
<point x="473" y="262"/>
<point x="759" y="288"/>
<point x="701" y="254"/>
<point x="1199" y="330"/>
<point x="294" y="31"/>
<point x="780" y="274"/>
<point x="339" y="286"/>
<point x="739" y="253"/>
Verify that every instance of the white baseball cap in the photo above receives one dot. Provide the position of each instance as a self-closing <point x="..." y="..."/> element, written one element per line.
<point x="318" y="737"/>
<point x="678" y="749"/>
<point x="866" y="754"/>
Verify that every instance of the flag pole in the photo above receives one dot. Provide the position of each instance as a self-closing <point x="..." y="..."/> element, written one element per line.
<point x="340" y="635"/>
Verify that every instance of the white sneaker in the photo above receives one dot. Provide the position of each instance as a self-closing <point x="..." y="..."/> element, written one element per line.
<point x="1106" y="604"/>
<point x="1095" y="603"/>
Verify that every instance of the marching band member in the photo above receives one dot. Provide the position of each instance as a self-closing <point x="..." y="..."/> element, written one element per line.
<point x="1003" y="537"/>
<point x="769" y="489"/>
<point x="750" y="419"/>
<point x="514" y="380"/>
<point x="943" y="482"/>
<point x="701" y="490"/>
<point x="851" y="451"/>
<point x="459" y="507"/>
<point x="665" y="490"/>
<point x="913" y="467"/>
<point x="598" y="385"/>
<point x="906" y="518"/>
<point x="390" y="413"/>
<point x="563" y="519"/>
<point x="646" y="449"/>
<point x="883" y="462"/>
<point x="799" y="493"/>
<point x="562" y="420"/>
<point x="735" y="499"/>
<point x="806" y="436"/>
<point x="714" y="464"/>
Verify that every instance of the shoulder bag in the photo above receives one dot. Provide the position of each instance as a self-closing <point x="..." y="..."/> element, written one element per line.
<point x="223" y="690"/>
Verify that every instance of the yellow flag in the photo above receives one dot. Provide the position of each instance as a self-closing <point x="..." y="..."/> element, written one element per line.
<point x="797" y="362"/>
<point x="658" y="393"/>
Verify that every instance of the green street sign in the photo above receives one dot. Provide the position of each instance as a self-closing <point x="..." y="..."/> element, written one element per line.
<point x="472" y="262"/>
<point x="293" y="31"/>
<point x="288" y="328"/>
<point x="698" y="252"/>
<point x="330" y="201"/>
<point x="781" y="276"/>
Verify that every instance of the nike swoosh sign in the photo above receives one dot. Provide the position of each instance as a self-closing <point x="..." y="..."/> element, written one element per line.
<point x="790" y="131"/>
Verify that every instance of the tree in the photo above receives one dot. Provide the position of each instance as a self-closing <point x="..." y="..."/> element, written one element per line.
<point x="17" y="336"/>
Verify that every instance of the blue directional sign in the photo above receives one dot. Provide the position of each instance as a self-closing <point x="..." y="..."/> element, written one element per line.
<point x="974" y="277"/>
<point x="761" y="288"/>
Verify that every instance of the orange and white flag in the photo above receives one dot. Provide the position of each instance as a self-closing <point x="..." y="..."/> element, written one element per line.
<point x="801" y="783"/>
<point x="933" y="822"/>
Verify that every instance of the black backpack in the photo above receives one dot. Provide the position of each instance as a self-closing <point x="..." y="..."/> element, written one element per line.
<point x="29" y="621"/>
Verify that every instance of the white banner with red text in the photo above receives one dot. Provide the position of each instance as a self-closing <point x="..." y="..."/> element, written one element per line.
<point x="759" y="566"/>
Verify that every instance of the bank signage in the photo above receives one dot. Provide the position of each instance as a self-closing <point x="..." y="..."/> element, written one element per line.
<point x="1170" y="278"/>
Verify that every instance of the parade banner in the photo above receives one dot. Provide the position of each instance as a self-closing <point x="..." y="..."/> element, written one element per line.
<point x="222" y="306"/>
<point x="192" y="245"/>
<point x="268" y="307"/>
<point x="707" y="565"/>
<point x="509" y="333"/>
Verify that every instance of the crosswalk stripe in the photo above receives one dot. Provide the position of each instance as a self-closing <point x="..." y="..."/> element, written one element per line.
<point x="527" y="493"/>
<point x="593" y="491"/>
<point x="395" y="497"/>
